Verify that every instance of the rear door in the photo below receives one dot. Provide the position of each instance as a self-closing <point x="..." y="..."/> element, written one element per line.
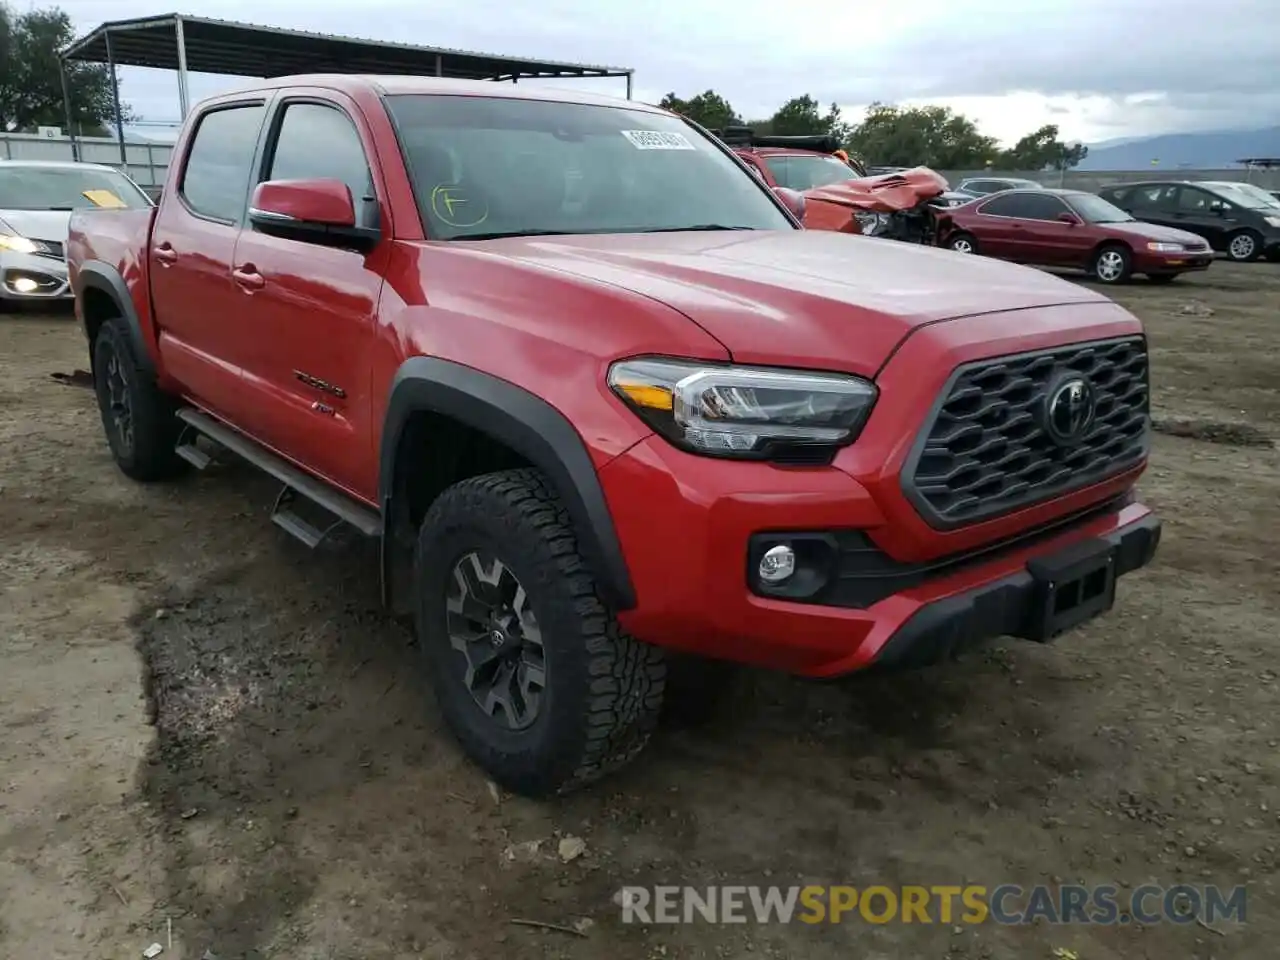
<point x="1001" y="226"/>
<point x="204" y="338"/>
<point x="312" y="307"/>
<point x="1153" y="203"/>
<point x="1203" y="213"/>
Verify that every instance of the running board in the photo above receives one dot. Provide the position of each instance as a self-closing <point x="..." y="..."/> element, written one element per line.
<point x="294" y="480"/>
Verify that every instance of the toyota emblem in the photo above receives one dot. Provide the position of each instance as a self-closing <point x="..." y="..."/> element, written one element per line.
<point x="1069" y="410"/>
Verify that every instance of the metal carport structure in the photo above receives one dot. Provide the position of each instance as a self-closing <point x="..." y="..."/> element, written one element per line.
<point x="186" y="44"/>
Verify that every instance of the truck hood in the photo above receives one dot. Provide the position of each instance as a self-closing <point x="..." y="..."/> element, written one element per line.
<point x="38" y="224"/>
<point x="798" y="297"/>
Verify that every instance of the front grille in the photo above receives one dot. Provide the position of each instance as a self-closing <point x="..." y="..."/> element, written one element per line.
<point x="987" y="449"/>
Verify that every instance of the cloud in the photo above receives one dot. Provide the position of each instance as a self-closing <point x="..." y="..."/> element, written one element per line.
<point x="1096" y="67"/>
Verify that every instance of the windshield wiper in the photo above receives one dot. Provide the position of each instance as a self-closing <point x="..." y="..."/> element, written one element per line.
<point x="695" y="227"/>
<point x="501" y="235"/>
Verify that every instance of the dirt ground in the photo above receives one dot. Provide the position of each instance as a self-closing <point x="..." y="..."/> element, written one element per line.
<point x="212" y="739"/>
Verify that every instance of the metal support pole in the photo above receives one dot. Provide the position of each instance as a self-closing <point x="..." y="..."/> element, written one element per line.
<point x="629" y="77"/>
<point x="115" y="105"/>
<point x="439" y="65"/>
<point x="66" y="106"/>
<point x="183" y="100"/>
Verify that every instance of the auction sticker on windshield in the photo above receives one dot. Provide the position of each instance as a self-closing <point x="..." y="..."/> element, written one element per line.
<point x="658" y="140"/>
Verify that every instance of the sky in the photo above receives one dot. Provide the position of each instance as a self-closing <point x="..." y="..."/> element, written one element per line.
<point x="1099" y="69"/>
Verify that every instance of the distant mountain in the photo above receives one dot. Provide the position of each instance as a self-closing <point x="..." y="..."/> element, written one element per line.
<point x="1211" y="150"/>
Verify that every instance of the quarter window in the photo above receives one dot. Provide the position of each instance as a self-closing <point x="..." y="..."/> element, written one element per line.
<point x="320" y="142"/>
<point x="216" y="179"/>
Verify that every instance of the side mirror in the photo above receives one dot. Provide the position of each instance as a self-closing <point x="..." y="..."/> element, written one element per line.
<point x="1070" y="218"/>
<point x="793" y="200"/>
<point x="311" y="211"/>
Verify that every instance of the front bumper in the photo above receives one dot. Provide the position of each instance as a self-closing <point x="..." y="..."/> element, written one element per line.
<point x="686" y="525"/>
<point x="19" y="271"/>
<point x="1150" y="261"/>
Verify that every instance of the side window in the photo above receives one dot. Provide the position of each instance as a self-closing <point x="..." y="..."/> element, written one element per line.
<point x="1193" y="201"/>
<point x="320" y="142"/>
<point x="780" y="169"/>
<point x="1042" y="206"/>
<point x="1008" y="205"/>
<point x="216" y="179"/>
<point x="1148" y="198"/>
<point x="1118" y="195"/>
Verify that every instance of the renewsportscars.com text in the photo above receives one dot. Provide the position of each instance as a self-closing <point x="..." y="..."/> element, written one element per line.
<point x="969" y="904"/>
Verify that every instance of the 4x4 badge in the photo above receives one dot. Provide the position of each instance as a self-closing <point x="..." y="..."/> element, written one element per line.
<point x="1069" y="410"/>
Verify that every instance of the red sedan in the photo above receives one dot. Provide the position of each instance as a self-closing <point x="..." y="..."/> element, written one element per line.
<point x="1071" y="228"/>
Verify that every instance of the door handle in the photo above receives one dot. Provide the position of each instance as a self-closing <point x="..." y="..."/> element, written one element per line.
<point x="165" y="254"/>
<point x="248" y="277"/>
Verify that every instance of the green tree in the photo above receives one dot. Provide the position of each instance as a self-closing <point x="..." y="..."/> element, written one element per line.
<point x="931" y="136"/>
<point x="1040" y="149"/>
<point x="30" y="82"/>
<point x="802" y="116"/>
<point x="708" y="108"/>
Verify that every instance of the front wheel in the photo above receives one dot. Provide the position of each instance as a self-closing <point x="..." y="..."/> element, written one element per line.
<point x="1112" y="264"/>
<point x="1244" y="246"/>
<point x="532" y="673"/>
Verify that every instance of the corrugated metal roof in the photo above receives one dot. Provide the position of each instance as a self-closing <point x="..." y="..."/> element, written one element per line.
<point x="249" y="50"/>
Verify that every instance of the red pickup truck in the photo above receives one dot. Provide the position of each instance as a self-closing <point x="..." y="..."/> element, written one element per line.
<point x="599" y="429"/>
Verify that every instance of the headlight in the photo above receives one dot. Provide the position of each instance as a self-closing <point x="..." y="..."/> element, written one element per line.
<point x="1272" y="221"/>
<point x="1164" y="247"/>
<point x="742" y="412"/>
<point x="19" y="244"/>
<point x="871" y="223"/>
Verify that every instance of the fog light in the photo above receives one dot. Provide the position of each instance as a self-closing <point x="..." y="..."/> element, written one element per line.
<point x="25" y="285"/>
<point x="777" y="564"/>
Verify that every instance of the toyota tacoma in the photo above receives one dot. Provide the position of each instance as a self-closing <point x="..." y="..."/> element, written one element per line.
<point x="604" y="405"/>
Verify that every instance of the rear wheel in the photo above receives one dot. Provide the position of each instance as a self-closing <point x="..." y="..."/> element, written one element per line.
<point x="963" y="243"/>
<point x="532" y="673"/>
<point x="137" y="417"/>
<point x="1244" y="246"/>
<point x="1112" y="264"/>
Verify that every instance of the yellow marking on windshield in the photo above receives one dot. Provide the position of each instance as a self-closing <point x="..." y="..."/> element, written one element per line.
<point x="104" y="198"/>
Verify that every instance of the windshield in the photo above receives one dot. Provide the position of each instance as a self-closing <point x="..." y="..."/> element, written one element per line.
<point x="490" y="166"/>
<point x="1096" y="210"/>
<point x="65" y="188"/>
<point x="1245" y="195"/>
<point x="805" y="173"/>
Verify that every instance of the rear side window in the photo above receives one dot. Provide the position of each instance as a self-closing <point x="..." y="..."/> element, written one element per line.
<point x="1024" y="206"/>
<point x="216" y="179"/>
<point x="318" y="141"/>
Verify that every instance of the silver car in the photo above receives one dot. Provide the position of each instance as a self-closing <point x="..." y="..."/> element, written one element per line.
<point x="36" y="200"/>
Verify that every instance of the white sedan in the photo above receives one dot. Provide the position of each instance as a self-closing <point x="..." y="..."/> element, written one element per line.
<point x="36" y="200"/>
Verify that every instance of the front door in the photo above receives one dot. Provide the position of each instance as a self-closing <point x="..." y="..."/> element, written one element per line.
<point x="314" y="306"/>
<point x="202" y="337"/>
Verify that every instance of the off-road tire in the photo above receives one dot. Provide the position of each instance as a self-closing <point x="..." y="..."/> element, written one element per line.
<point x="604" y="689"/>
<point x="148" y="453"/>
<point x="1253" y="253"/>
<point x="1112" y="253"/>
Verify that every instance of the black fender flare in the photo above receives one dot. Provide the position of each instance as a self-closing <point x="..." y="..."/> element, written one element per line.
<point x="98" y="275"/>
<point x="526" y="424"/>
